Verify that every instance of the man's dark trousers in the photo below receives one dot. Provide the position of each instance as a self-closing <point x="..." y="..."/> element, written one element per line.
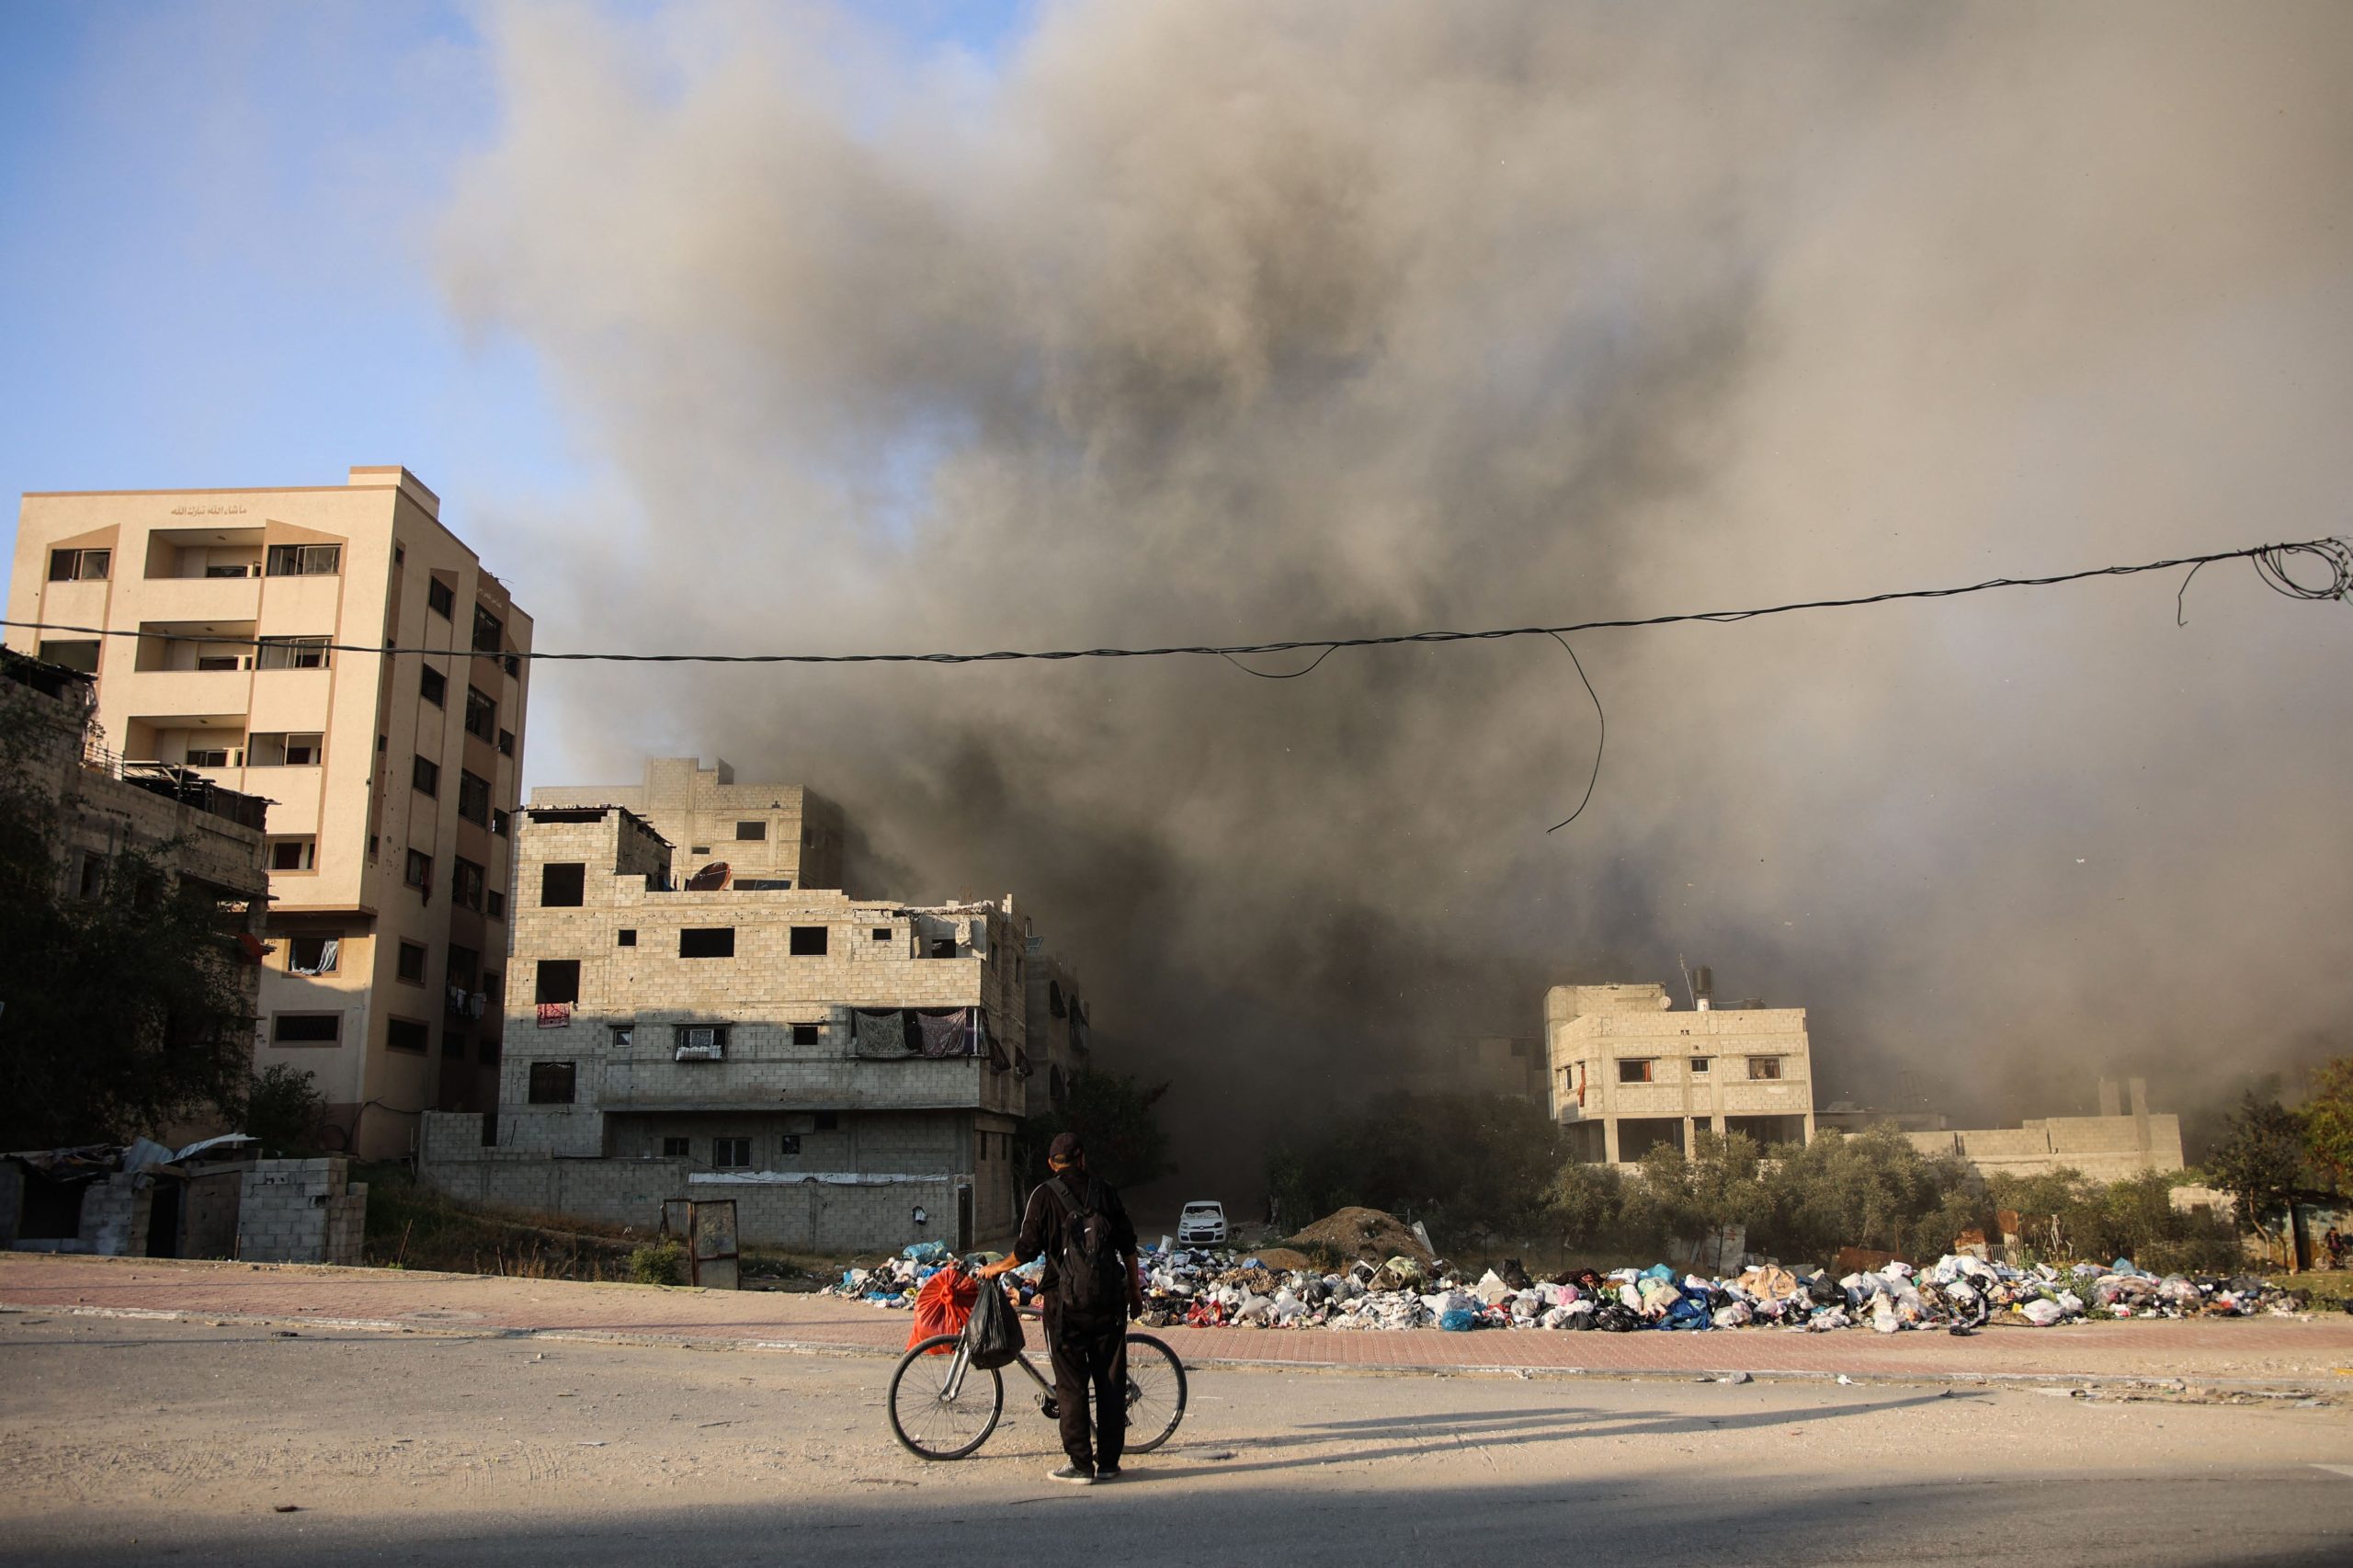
<point x="1090" y="1355"/>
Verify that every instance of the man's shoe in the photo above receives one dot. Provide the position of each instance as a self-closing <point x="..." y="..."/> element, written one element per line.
<point x="1106" y="1473"/>
<point x="1073" y="1475"/>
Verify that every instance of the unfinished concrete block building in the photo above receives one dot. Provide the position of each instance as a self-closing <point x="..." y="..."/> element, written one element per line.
<point x="851" y="1072"/>
<point x="1628" y="1071"/>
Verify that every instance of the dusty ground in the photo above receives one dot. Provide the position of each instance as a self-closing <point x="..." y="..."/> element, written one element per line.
<point x="123" y="1441"/>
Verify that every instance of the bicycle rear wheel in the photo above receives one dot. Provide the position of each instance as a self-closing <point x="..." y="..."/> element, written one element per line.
<point x="1155" y="1394"/>
<point x="943" y="1407"/>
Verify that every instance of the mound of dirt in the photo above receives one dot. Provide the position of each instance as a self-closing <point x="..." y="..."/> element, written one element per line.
<point x="1368" y="1233"/>
<point x="1282" y="1260"/>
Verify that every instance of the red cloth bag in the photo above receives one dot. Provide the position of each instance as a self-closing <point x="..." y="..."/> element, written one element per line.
<point x="943" y="1305"/>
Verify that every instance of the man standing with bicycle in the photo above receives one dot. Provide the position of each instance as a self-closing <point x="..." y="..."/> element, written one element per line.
<point x="1091" y="1283"/>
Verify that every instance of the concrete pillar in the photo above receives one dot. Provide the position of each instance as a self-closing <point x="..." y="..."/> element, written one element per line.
<point x="1609" y="1138"/>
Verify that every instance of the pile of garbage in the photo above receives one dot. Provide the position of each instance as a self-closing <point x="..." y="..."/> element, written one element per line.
<point x="1960" y="1294"/>
<point x="1206" y="1289"/>
<point x="896" y="1282"/>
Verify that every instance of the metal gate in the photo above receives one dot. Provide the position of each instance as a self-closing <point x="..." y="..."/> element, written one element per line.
<point x="707" y="1227"/>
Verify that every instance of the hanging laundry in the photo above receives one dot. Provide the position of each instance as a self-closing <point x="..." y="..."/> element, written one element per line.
<point x="945" y="1031"/>
<point x="880" y="1031"/>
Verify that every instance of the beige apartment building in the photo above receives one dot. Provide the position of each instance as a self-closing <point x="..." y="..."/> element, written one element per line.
<point x="222" y="629"/>
<point x="1627" y="1070"/>
<point x="850" y="1072"/>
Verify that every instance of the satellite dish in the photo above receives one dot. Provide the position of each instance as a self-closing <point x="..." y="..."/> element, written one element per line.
<point x="711" y="878"/>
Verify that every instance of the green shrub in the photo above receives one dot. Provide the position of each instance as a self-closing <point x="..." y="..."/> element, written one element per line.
<point x="663" y="1263"/>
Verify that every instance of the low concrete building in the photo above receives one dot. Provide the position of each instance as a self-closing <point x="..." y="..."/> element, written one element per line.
<point x="1627" y="1071"/>
<point x="850" y="1071"/>
<point x="2118" y="1143"/>
<point x="773" y="836"/>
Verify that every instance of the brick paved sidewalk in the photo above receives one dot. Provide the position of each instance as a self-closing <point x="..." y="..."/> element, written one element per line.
<point x="2265" y="1349"/>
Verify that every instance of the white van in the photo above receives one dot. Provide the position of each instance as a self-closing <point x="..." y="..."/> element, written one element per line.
<point x="1203" y="1225"/>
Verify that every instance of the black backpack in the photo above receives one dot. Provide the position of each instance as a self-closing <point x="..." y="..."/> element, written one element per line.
<point x="1090" y="1277"/>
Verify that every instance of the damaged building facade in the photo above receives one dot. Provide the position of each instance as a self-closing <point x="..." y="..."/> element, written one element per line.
<point x="1626" y="1069"/>
<point x="850" y="1072"/>
<point x="2121" y="1142"/>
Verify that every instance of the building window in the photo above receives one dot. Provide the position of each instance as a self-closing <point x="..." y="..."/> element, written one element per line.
<point x="1699" y="1065"/>
<point x="624" y="1037"/>
<point x="79" y="565"/>
<point x="1635" y="1070"/>
<point x="463" y="962"/>
<point x="493" y="903"/>
<point x="559" y="981"/>
<point x="215" y="664"/>
<point x="313" y="955"/>
<point x="306" y="1029"/>
<point x="90" y="874"/>
<point x="482" y="714"/>
<point x="304" y="560"/>
<point x="285" y="750"/>
<point x="809" y="941"/>
<point x="432" y="685"/>
<point x="465" y="883"/>
<point x="881" y="932"/>
<point x="828" y="1121"/>
<point x="674" y="1148"/>
<point x="407" y="1035"/>
<point x="561" y="884"/>
<point x="804" y="1034"/>
<point x="489" y="631"/>
<point x="292" y="653"/>
<point x="943" y="947"/>
<point x="76" y="654"/>
<point x="474" y="798"/>
<point x="626" y="936"/>
<point x="706" y="942"/>
<point x="552" y="1083"/>
<point x="490" y="1051"/>
<point x="751" y="832"/>
<point x="1764" y="1067"/>
<point x="409" y="964"/>
<point x="400" y="554"/>
<point x="440" y="598"/>
<point x="507" y="743"/>
<point x="789" y="1145"/>
<point x="731" y="1153"/>
<point x="419" y="873"/>
<point x="425" y="777"/>
<point x="214" y="756"/>
<point x="699" y="849"/>
<point x="500" y="822"/>
<point x="293" y="854"/>
<point x="700" y="1043"/>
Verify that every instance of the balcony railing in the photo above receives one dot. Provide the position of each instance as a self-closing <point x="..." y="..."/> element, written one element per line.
<point x="176" y="783"/>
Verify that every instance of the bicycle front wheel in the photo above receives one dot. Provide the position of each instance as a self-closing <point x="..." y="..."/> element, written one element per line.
<point x="943" y="1407"/>
<point x="1155" y="1394"/>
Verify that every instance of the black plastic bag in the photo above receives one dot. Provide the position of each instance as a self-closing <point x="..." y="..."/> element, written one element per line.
<point x="994" y="1332"/>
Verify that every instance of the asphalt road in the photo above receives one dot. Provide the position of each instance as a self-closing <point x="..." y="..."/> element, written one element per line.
<point x="127" y="1441"/>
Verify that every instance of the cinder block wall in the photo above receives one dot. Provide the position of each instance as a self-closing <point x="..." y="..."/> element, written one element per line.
<point x="114" y="1216"/>
<point x="300" y="1212"/>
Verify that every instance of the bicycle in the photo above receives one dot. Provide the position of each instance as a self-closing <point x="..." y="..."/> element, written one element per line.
<point x="943" y="1407"/>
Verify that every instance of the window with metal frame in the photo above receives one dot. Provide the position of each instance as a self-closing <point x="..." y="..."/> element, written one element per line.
<point x="304" y="560"/>
<point x="79" y="566"/>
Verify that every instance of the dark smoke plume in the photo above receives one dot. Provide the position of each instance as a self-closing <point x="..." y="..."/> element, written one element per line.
<point x="1203" y="321"/>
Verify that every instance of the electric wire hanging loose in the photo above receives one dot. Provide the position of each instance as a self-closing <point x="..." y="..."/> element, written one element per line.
<point x="1599" y="739"/>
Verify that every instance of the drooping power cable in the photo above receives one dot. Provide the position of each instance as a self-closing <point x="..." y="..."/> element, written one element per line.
<point x="2335" y="555"/>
